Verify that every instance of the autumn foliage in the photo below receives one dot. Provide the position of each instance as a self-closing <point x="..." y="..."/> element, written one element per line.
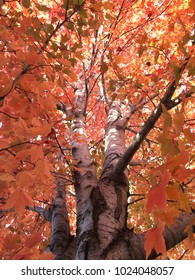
<point x="137" y="54"/>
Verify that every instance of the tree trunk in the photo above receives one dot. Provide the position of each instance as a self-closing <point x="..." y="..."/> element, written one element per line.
<point x="101" y="203"/>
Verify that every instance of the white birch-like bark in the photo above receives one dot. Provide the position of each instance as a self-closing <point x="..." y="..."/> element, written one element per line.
<point x="102" y="203"/>
<point x="85" y="172"/>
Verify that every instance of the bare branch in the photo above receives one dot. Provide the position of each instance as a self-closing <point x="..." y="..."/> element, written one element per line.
<point x="18" y="144"/>
<point x="45" y="213"/>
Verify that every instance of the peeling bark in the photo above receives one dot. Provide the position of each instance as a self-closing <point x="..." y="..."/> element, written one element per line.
<point x="85" y="174"/>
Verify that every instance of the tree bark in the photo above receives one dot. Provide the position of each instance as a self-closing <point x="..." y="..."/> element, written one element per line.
<point x="101" y="203"/>
<point x="62" y="244"/>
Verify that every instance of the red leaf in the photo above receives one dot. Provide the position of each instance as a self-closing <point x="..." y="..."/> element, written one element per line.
<point x="155" y="239"/>
<point x="24" y="178"/>
<point x="157" y="195"/>
<point x="178" y="120"/>
<point x="19" y="200"/>
<point x="33" y="239"/>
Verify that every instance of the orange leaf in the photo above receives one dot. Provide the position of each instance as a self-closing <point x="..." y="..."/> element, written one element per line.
<point x="155" y="239"/>
<point x="166" y="117"/>
<point x="173" y="163"/>
<point x="46" y="256"/>
<point x="178" y="121"/>
<point x="24" y="254"/>
<point x="42" y="129"/>
<point x="169" y="216"/>
<point x="33" y="239"/>
<point x="182" y="173"/>
<point x="6" y="177"/>
<point x="11" y="241"/>
<point x="31" y="57"/>
<point x="189" y="136"/>
<point x="19" y="200"/>
<point x="157" y="195"/>
<point x="184" y="202"/>
<point x="173" y="191"/>
<point x="192" y="5"/>
<point x="42" y="169"/>
<point x="20" y="128"/>
<point x="5" y="180"/>
<point x="119" y="59"/>
<point x="25" y="178"/>
<point x="36" y="153"/>
<point x="6" y="89"/>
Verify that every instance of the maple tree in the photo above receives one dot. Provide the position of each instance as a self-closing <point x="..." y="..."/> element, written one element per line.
<point x="97" y="129"/>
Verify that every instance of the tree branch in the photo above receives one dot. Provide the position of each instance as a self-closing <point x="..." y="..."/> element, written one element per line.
<point x="60" y="236"/>
<point x="175" y="102"/>
<point x="45" y="213"/>
<point x="146" y="128"/>
<point x="173" y="236"/>
<point x="176" y="233"/>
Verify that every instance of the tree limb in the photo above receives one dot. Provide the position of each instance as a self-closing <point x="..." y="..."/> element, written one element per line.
<point x="146" y="128"/>
<point x="60" y="236"/>
<point x="173" y="236"/>
<point x="45" y="213"/>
